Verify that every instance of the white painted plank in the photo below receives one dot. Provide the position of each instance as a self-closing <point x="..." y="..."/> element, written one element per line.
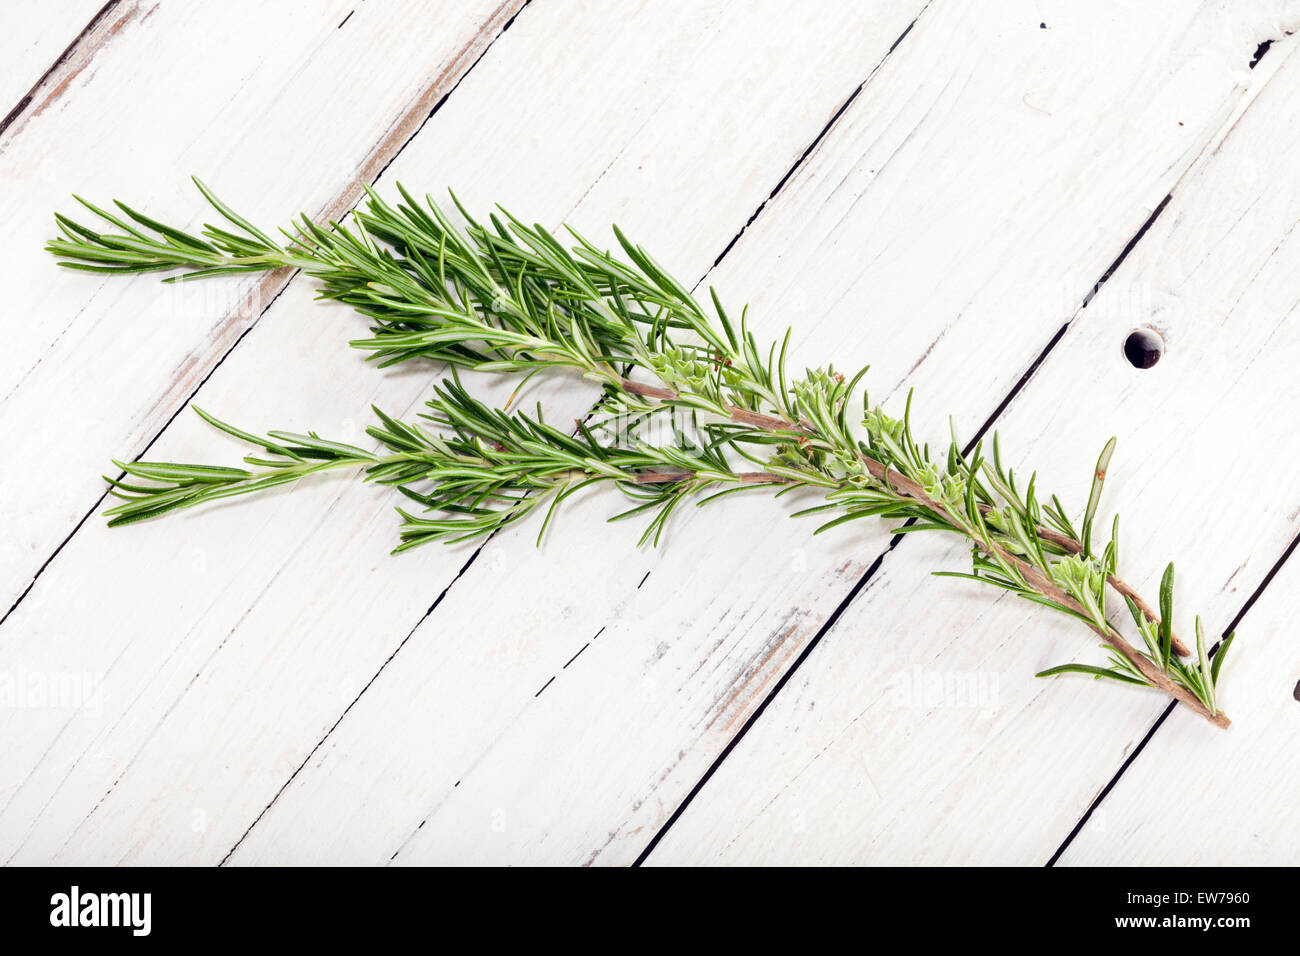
<point x="279" y="103"/>
<point x="228" y="643"/>
<point x="33" y="35"/>
<point x="918" y="721"/>
<point x="909" y="240"/>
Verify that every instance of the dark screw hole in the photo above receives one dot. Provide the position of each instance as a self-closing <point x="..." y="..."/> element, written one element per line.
<point x="1143" y="348"/>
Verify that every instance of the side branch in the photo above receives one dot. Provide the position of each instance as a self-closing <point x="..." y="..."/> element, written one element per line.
<point x="908" y="488"/>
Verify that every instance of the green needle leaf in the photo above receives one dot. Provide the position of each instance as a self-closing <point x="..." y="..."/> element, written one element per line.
<point x="1095" y="672"/>
<point x="1094" y="495"/>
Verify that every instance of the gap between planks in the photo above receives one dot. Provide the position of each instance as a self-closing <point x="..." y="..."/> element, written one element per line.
<point x="79" y="52"/>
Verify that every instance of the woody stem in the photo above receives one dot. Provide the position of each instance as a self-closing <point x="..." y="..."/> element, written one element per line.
<point x="906" y="487"/>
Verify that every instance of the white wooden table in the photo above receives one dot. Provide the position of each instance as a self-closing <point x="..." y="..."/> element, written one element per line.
<point x="933" y="187"/>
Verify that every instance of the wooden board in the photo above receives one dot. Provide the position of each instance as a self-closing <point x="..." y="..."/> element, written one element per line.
<point x="260" y="683"/>
<point x="280" y="104"/>
<point x="349" y="614"/>
<point x="823" y="777"/>
<point x="688" y="653"/>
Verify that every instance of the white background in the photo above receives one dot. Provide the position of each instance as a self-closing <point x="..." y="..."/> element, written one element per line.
<point x="260" y="682"/>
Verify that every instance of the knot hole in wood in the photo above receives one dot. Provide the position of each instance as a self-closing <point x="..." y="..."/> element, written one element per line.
<point x="1143" y="347"/>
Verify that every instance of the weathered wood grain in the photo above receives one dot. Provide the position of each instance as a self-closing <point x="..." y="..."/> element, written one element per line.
<point x="37" y="35"/>
<point x="598" y="695"/>
<point x="227" y="644"/>
<point x="916" y="732"/>
<point x="284" y="106"/>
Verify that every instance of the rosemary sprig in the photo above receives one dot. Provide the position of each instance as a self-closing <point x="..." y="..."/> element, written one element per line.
<point x="508" y="297"/>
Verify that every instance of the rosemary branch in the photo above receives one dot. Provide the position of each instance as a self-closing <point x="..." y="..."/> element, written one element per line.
<point x="912" y="490"/>
<point x="908" y="488"/>
<point x="508" y="297"/>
